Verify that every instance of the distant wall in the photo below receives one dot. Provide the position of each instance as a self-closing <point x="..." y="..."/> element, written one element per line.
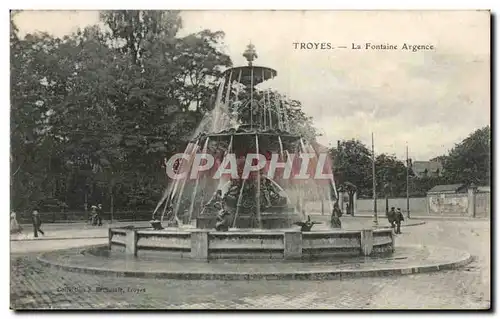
<point x="417" y="204"/>
<point x="483" y="201"/>
<point x="448" y="204"/>
<point x="459" y="204"/>
<point x="433" y="205"/>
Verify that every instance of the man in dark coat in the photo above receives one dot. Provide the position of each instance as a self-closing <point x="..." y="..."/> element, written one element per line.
<point x="397" y="220"/>
<point x="391" y="217"/>
<point x="37" y="222"/>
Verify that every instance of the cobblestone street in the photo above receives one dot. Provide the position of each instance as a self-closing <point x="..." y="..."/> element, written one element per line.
<point x="35" y="286"/>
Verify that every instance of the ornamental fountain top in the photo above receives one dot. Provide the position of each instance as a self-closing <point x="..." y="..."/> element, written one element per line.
<point x="250" y="54"/>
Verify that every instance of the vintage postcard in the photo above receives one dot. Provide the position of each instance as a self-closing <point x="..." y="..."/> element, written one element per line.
<point x="250" y="160"/>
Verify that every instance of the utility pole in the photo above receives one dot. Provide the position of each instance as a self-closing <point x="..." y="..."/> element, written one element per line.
<point x="375" y="217"/>
<point x="407" y="183"/>
<point x="112" y="198"/>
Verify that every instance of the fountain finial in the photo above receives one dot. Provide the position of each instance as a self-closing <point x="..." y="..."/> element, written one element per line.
<point x="250" y="54"/>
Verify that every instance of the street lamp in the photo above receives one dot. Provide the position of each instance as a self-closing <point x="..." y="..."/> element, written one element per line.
<point x="408" y="164"/>
<point x="386" y="193"/>
<point x="375" y="217"/>
<point x="374" y="185"/>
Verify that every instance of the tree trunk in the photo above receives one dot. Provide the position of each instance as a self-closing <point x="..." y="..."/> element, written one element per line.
<point x="111" y="206"/>
<point x="112" y="199"/>
<point x="386" y="205"/>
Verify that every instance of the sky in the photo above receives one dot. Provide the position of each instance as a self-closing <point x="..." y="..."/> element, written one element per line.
<point x="428" y="100"/>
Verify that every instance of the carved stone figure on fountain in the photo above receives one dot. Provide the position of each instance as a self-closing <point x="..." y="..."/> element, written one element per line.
<point x="212" y="203"/>
<point x="266" y="189"/>
<point x="336" y="214"/>
<point x="273" y="196"/>
<point x="169" y="216"/>
<point x="307" y="225"/>
<point x="223" y="215"/>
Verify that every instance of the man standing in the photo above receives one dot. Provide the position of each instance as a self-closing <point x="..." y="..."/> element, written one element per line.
<point x="398" y="219"/>
<point x="391" y="217"/>
<point x="93" y="215"/>
<point x="37" y="222"/>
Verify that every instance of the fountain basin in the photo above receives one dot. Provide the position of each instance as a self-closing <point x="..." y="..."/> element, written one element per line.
<point x="282" y="244"/>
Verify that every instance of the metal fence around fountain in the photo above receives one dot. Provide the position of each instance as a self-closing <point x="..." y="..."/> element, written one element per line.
<point x="80" y="216"/>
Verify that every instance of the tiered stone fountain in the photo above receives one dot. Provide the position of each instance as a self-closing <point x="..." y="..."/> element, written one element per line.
<point x="261" y="211"/>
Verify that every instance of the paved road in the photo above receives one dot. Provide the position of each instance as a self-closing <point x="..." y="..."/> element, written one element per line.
<point x="34" y="286"/>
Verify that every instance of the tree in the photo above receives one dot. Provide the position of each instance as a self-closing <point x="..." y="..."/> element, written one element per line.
<point x="31" y="146"/>
<point x="352" y="163"/>
<point x="391" y="175"/>
<point x="199" y="65"/>
<point x="132" y="28"/>
<point x="470" y="160"/>
<point x="95" y="112"/>
<point x="350" y="189"/>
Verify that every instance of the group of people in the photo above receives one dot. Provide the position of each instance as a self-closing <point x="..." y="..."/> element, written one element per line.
<point x="15" y="227"/>
<point x="395" y="217"/>
<point x="95" y="219"/>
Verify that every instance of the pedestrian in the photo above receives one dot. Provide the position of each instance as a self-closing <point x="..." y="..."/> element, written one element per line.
<point x="398" y="219"/>
<point x="93" y="215"/>
<point x="391" y="217"/>
<point x="99" y="215"/>
<point x="15" y="228"/>
<point x="37" y="222"/>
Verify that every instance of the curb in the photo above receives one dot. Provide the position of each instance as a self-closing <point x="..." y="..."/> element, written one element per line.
<point x="233" y="276"/>
<point x="410" y="225"/>
<point x="59" y="238"/>
<point x="432" y="217"/>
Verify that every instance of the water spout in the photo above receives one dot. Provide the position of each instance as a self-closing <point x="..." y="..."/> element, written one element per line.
<point x="179" y="198"/>
<point x="193" y="197"/>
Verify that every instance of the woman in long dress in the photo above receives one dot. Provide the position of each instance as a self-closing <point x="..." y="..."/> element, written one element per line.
<point x="14" y="225"/>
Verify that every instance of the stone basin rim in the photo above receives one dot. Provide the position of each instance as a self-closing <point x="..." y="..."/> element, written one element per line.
<point x="460" y="259"/>
<point x="245" y="231"/>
